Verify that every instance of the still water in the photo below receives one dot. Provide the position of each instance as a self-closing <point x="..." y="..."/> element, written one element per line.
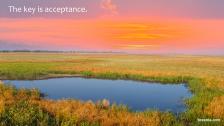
<point x="137" y="95"/>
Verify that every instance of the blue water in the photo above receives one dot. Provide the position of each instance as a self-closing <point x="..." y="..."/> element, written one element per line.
<point x="137" y="95"/>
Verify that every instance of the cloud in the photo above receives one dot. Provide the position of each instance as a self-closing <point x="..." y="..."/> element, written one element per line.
<point x="137" y="47"/>
<point x="7" y="45"/>
<point x="109" y="6"/>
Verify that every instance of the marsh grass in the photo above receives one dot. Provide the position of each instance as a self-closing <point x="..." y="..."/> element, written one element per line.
<point x="23" y="107"/>
<point x="203" y="74"/>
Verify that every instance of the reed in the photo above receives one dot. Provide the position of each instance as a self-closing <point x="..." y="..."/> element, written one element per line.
<point x="203" y="74"/>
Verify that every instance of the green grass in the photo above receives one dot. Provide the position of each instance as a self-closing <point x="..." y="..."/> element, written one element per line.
<point x="203" y="74"/>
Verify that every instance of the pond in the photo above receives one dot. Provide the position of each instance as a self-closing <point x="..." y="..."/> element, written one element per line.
<point x="136" y="95"/>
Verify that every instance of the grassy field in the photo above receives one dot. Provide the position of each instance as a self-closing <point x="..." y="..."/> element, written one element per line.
<point x="203" y="74"/>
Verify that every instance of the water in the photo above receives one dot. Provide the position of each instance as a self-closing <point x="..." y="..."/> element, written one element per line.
<point x="137" y="95"/>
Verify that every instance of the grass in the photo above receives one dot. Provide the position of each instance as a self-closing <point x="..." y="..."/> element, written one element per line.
<point x="204" y="75"/>
<point x="26" y="107"/>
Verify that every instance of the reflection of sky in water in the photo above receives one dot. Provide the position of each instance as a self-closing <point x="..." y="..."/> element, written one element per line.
<point x="137" y="95"/>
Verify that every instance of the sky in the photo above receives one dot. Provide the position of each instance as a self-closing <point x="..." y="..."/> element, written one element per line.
<point x="135" y="26"/>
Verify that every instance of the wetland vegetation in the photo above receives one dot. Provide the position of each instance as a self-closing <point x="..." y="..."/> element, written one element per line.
<point x="137" y="95"/>
<point x="203" y="74"/>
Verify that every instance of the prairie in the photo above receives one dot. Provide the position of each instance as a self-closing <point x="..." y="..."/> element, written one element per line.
<point x="203" y="74"/>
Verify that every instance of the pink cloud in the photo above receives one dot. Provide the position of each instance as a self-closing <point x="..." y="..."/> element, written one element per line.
<point x="109" y="6"/>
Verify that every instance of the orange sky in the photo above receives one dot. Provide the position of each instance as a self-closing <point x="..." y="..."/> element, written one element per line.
<point x="109" y="34"/>
<point x="139" y="26"/>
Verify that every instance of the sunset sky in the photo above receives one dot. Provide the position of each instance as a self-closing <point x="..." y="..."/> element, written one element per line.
<point x="135" y="26"/>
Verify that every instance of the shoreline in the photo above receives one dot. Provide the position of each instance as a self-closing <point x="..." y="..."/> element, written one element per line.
<point x="57" y="76"/>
